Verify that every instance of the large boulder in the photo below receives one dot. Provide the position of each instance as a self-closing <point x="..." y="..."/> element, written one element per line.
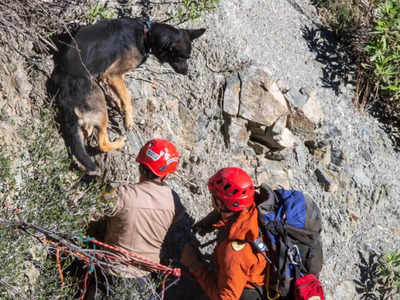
<point x="261" y="101"/>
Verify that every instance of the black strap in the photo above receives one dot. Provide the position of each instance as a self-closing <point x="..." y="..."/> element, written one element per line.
<point x="260" y="289"/>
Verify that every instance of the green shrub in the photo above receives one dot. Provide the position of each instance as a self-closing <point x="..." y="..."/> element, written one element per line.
<point x="384" y="50"/>
<point x="389" y="275"/>
<point x="370" y="33"/>
<point x="43" y="191"/>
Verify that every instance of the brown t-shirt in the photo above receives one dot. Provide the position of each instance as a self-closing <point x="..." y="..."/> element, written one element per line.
<point x="140" y="220"/>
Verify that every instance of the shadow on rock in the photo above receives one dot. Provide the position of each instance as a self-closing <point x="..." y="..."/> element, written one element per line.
<point x="383" y="112"/>
<point x="368" y="266"/>
<point x="178" y="235"/>
<point x="337" y="65"/>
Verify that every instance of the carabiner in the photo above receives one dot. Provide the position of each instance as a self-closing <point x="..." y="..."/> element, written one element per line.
<point x="298" y="255"/>
<point x="275" y="297"/>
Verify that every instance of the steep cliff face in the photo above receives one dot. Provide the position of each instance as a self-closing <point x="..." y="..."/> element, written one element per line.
<point x="257" y="96"/>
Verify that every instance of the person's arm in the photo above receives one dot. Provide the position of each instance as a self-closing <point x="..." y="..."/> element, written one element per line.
<point x="231" y="279"/>
<point x="180" y="210"/>
<point x="110" y="203"/>
<point x="108" y="206"/>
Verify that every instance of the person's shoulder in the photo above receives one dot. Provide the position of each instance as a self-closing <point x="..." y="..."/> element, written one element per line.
<point x="128" y="187"/>
<point x="151" y="185"/>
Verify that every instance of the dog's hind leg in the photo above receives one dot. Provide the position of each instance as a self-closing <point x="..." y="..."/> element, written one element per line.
<point x="92" y="112"/>
<point x="104" y="144"/>
<point x="117" y="84"/>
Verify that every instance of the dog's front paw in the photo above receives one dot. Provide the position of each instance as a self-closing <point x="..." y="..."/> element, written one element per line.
<point x="129" y="124"/>
<point x="119" y="143"/>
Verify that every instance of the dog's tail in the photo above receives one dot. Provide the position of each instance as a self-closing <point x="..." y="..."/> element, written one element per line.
<point x="78" y="150"/>
<point x="71" y="91"/>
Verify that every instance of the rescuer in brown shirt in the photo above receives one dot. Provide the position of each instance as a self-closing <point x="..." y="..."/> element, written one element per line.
<point x="142" y="213"/>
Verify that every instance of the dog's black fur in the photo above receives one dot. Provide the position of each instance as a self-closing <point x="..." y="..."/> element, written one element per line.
<point x="109" y="49"/>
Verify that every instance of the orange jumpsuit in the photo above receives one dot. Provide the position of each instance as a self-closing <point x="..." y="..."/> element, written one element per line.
<point x="237" y="263"/>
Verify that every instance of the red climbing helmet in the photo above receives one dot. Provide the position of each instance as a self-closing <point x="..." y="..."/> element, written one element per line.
<point x="160" y="156"/>
<point x="234" y="187"/>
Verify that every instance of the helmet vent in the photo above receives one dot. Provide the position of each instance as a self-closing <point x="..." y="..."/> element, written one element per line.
<point x="227" y="186"/>
<point x="219" y="181"/>
<point x="244" y="192"/>
<point x="235" y="191"/>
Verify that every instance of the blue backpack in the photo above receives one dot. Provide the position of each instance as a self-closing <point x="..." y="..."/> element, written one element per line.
<point x="290" y="225"/>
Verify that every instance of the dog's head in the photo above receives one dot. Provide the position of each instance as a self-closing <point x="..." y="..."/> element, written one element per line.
<point x="173" y="46"/>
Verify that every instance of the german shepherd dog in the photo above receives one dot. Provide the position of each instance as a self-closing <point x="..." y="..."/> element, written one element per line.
<point x="107" y="50"/>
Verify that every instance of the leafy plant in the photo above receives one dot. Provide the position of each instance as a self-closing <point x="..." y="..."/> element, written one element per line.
<point x="384" y="49"/>
<point x="389" y="275"/>
<point x="193" y="9"/>
<point x="97" y="12"/>
<point x="370" y="34"/>
<point x="379" y="276"/>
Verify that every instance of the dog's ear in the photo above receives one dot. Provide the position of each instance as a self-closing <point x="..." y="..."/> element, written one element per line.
<point x="195" y="33"/>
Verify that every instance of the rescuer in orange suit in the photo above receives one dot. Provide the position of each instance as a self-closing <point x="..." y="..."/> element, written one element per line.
<point x="240" y="269"/>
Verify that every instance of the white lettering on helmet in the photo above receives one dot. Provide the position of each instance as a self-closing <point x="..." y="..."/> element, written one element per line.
<point x="154" y="156"/>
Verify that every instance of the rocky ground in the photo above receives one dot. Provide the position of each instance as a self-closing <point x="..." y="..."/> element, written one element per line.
<point x="257" y="96"/>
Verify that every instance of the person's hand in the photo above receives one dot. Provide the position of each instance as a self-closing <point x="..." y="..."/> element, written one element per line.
<point x="191" y="258"/>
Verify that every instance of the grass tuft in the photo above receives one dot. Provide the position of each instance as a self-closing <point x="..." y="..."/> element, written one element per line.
<point x="193" y="9"/>
<point x="97" y="12"/>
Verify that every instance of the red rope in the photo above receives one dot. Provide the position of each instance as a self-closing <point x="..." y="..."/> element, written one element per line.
<point x="85" y="280"/>
<point x="59" y="266"/>
<point x="148" y="263"/>
<point x="132" y="257"/>
<point x="163" y="284"/>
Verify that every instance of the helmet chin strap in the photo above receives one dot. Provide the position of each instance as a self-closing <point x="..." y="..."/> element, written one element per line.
<point x="219" y="205"/>
<point x="225" y="210"/>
